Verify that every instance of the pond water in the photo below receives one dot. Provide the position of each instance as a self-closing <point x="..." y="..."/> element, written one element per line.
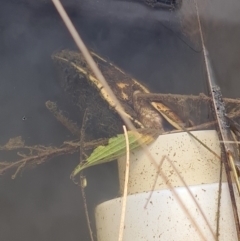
<point x="158" y="47"/>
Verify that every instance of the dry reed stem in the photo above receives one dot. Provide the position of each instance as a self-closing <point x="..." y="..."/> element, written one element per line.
<point x="76" y="37"/>
<point x="211" y="84"/>
<point x="125" y="191"/>
<point x="190" y="193"/>
<point x="155" y="182"/>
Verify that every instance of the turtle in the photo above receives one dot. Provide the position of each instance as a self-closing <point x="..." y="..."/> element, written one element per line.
<point x="86" y="91"/>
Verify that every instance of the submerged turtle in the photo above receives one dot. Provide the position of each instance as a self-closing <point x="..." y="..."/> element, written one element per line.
<point x="88" y="93"/>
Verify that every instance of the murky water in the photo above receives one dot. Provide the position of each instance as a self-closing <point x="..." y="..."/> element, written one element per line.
<point x="43" y="203"/>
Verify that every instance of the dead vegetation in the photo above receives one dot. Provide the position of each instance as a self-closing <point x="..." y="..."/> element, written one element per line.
<point x="189" y="107"/>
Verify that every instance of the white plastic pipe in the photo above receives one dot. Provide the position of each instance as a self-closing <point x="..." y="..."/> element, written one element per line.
<point x="163" y="218"/>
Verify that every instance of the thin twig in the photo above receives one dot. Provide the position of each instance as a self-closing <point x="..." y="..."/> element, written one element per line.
<point x="40" y="157"/>
<point x="155" y="181"/>
<point x="42" y="153"/>
<point x="81" y="150"/>
<point x="190" y="193"/>
<point x="183" y="206"/>
<point x="124" y="198"/>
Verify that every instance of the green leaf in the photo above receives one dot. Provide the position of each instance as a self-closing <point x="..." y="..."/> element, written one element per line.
<point x="116" y="148"/>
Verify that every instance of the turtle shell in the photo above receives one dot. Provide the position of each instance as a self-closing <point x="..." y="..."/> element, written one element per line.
<point x="87" y="92"/>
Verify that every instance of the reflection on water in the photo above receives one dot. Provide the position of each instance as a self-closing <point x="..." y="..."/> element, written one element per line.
<point x="151" y="45"/>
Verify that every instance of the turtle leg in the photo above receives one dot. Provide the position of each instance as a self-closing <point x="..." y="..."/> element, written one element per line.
<point x="146" y="113"/>
<point x="158" y="103"/>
